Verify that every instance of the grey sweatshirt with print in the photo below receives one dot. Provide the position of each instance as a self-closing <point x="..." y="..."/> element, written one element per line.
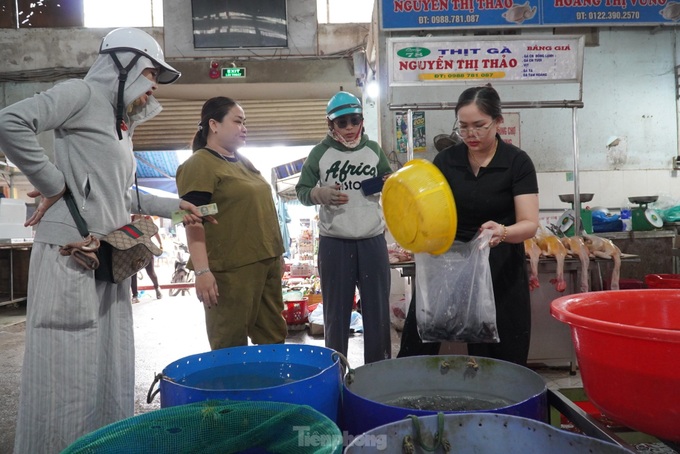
<point x="330" y="163"/>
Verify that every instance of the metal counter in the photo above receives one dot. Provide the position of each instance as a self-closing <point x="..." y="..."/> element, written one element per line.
<point x="550" y="339"/>
<point x="654" y="247"/>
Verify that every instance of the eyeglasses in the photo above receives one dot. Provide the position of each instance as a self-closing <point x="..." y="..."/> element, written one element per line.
<point x="479" y="131"/>
<point x="342" y="122"/>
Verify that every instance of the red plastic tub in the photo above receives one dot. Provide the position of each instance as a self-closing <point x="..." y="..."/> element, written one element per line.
<point x="295" y="312"/>
<point x="627" y="344"/>
<point x="663" y="281"/>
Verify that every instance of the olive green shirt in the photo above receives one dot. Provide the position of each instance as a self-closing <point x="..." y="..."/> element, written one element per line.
<point x="247" y="229"/>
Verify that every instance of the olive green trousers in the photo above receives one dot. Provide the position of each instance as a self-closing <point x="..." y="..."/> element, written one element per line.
<point x="249" y="306"/>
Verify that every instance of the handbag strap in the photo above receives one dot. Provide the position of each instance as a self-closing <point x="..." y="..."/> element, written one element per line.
<point x="73" y="208"/>
<point x="139" y="202"/>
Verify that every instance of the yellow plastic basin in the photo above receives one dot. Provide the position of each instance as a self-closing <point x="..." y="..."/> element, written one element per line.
<point x="419" y="208"/>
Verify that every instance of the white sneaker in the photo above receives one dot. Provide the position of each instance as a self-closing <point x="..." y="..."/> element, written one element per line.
<point x="135" y="300"/>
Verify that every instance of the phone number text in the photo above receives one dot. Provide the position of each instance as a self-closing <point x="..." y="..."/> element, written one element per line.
<point x="451" y="19"/>
<point x="607" y="15"/>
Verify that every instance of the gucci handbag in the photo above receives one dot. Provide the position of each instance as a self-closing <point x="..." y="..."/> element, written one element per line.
<point x="127" y="250"/>
<point x="120" y="254"/>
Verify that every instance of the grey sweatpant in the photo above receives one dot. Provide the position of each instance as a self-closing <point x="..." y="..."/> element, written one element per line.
<point x="343" y="265"/>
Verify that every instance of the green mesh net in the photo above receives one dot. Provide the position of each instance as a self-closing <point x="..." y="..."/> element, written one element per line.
<point x="217" y="426"/>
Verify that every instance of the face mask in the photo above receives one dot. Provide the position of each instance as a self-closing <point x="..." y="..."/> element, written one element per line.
<point x="348" y="143"/>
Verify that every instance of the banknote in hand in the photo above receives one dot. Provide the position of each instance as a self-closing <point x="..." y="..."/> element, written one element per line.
<point x="206" y="210"/>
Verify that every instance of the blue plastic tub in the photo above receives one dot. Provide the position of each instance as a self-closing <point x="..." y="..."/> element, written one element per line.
<point x="372" y="392"/>
<point x="290" y="373"/>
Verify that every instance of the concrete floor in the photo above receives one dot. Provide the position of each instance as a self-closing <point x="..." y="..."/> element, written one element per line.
<point x="165" y="330"/>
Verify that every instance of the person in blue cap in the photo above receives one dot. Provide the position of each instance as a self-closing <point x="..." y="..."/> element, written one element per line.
<point x="352" y="247"/>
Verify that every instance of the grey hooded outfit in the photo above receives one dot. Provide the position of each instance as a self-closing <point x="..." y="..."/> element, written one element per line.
<point x="78" y="372"/>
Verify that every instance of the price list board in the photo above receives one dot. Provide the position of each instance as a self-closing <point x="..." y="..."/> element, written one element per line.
<point x="451" y="60"/>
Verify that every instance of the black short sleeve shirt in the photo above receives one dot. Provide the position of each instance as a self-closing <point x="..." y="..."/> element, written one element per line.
<point x="490" y="194"/>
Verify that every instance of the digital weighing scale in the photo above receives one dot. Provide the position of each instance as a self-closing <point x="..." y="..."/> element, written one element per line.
<point x="566" y="222"/>
<point x="645" y="218"/>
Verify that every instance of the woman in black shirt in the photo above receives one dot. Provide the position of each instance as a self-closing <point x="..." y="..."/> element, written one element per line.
<point x="495" y="187"/>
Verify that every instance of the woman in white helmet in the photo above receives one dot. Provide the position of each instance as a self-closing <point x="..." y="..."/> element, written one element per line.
<point x="78" y="372"/>
<point x="352" y="246"/>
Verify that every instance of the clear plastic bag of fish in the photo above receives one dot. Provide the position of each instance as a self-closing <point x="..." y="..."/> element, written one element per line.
<point x="454" y="294"/>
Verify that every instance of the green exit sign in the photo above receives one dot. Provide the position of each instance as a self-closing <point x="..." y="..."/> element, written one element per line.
<point x="229" y="73"/>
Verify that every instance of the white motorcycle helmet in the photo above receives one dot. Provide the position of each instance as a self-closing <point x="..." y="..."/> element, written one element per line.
<point x="140" y="42"/>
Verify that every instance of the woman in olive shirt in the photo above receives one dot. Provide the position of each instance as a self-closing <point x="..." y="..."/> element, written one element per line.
<point x="237" y="261"/>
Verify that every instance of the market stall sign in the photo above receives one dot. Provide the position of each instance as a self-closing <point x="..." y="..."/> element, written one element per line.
<point x="457" y="60"/>
<point x="433" y="14"/>
<point x="509" y="129"/>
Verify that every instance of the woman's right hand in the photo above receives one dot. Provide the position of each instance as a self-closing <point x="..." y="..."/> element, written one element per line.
<point x="44" y="205"/>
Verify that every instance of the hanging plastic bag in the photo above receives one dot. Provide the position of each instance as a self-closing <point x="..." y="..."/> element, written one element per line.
<point x="454" y="294"/>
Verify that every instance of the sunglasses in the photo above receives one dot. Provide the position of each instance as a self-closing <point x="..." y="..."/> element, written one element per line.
<point x="342" y="122"/>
